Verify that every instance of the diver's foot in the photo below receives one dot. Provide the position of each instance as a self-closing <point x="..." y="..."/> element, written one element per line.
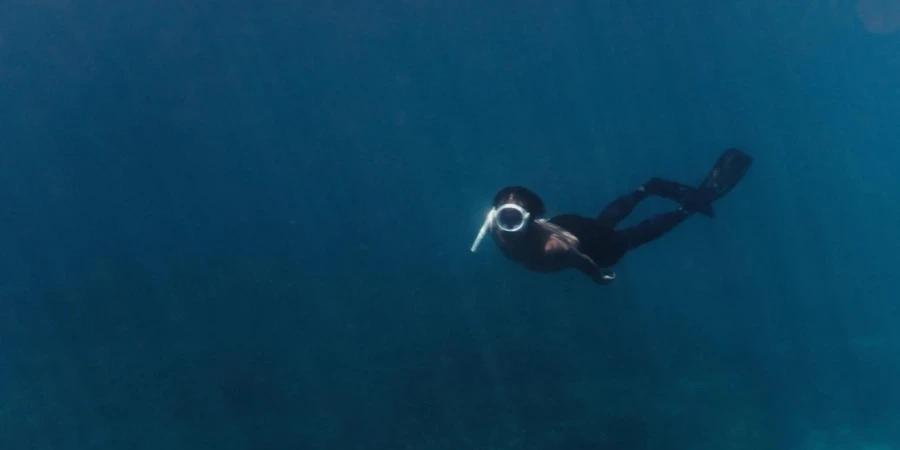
<point x="690" y="198"/>
<point x="604" y="277"/>
<point x="699" y="201"/>
<point x="661" y="187"/>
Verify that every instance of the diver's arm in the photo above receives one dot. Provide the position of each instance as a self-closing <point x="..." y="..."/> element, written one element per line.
<point x="587" y="266"/>
<point x="562" y="242"/>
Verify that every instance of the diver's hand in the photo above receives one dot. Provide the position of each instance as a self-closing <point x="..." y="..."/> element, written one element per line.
<point x="587" y="266"/>
<point x="604" y="277"/>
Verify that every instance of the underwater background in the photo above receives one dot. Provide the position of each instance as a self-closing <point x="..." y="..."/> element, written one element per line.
<point x="246" y="225"/>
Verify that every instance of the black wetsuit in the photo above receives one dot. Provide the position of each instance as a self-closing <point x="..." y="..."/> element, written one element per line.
<point x="598" y="238"/>
<point x="604" y="244"/>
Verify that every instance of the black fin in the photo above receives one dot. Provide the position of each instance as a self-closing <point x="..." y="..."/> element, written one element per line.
<point x="727" y="172"/>
<point x="729" y="169"/>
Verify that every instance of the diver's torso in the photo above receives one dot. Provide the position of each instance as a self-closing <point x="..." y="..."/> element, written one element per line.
<point x="599" y="243"/>
<point x="530" y="250"/>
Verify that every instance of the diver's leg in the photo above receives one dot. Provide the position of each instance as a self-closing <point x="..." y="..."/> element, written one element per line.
<point x="728" y="171"/>
<point x="688" y="197"/>
<point x="652" y="228"/>
<point x="621" y="207"/>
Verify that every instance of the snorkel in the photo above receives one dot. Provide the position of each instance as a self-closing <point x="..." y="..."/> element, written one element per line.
<point x="491" y="220"/>
<point x="484" y="229"/>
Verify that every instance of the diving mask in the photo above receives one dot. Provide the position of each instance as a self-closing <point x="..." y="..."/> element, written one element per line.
<point x="509" y="218"/>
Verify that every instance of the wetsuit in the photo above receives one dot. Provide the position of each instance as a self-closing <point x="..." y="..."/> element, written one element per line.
<point x="603" y="243"/>
<point x="606" y="246"/>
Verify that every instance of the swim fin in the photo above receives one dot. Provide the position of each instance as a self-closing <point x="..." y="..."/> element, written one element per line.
<point x="729" y="169"/>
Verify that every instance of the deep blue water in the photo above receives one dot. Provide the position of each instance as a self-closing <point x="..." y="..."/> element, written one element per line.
<point x="245" y="225"/>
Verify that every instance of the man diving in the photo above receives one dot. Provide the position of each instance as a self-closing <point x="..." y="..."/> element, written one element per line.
<point x="593" y="245"/>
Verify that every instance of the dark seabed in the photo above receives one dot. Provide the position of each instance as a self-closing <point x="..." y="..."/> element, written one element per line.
<point x="246" y="225"/>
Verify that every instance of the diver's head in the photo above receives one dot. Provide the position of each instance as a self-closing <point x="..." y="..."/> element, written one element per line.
<point x="514" y="208"/>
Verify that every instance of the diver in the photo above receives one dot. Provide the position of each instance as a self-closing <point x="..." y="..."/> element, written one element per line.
<point x="593" y="245"/>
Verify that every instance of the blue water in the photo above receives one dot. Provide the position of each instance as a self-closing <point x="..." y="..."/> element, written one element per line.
<point x="245" y="225"/>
